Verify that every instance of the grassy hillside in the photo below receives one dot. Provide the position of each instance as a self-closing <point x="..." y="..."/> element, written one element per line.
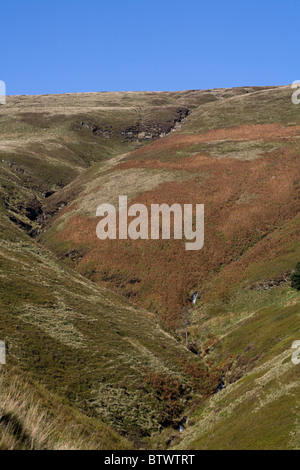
<point x="48" y="141"/>
<point x="257" y="322"/>
<point x="247" y="176"/>
<point x="86" y="344"/>
<point x="32" y="418"/>
<point x="96" y="329"/>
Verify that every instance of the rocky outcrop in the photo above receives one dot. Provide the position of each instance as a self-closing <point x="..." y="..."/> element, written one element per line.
<point x="276" y="282"/>
<point x="146" y="131"/>
<point x="145" y="128"/>
<point x="105" y="132"/>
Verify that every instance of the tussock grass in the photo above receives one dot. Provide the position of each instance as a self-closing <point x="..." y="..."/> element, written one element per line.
<point x="32" y="418"/>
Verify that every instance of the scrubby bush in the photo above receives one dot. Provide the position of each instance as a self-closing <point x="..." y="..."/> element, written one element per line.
<point x="203" y="378"/>
<point x="295" y="278"/>
<point x="169" y="392"/>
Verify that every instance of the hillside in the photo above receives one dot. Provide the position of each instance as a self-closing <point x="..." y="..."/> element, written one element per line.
<point x="86" y="344"/>
<point x="246" y="175"/>
<point x="32" y="418"/>
<point x="99" y="325"/>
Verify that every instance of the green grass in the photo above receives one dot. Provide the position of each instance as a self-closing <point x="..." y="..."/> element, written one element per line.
<point x="262" y="107"/>
<point x="259" y="409"/>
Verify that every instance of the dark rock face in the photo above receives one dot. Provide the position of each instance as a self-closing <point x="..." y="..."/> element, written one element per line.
<point x="33" y="211"/>
<point x="145" y="131"/>
<point x="48" y="194"/>
<point x="181" y="425"/>
<point x="221" y="387"/>
<point x="23" y="225"/>
<point x="102" y="131"/>
<point x="27" y="215"/>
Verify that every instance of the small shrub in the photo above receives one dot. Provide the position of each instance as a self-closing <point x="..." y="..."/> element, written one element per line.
<point x="295" y="277"/>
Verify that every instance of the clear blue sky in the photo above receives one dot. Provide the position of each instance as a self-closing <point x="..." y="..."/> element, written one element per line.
<point x="63" y="46"/>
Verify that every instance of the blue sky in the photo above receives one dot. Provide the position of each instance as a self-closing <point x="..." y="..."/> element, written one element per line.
<point x="114" y="45"/>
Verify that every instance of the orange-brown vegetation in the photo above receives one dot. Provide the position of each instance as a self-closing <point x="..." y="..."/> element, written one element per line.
<point x="255" y="197"/>
<point x="264" y="132"/>
<point x="169" y="392"/>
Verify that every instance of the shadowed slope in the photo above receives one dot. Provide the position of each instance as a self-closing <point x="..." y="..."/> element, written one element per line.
<point x="32" y="418"/>
<point x="83" y="342"/>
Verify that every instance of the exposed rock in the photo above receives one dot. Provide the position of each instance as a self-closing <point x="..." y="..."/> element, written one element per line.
<point x="48" y="194"/>
<point x="221" y="387"/>
<point x="269" y="284"/>
<point x="20" y="223"/>
<point x="145" y="131"/>
<point x="75" y="255"/>
<point x="41" y="219"/>
<point x="105" y="132"/>
<point x="141" y="135"/>
<point x="33" y="211"/>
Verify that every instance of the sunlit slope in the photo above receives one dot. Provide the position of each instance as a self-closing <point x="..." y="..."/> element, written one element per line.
<point x="92" y="349"/>
<point x="246" y="174"/>
<point x="269" y="106"/>
<point x="254" y="314"/>
<point x="47" y="141"/>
